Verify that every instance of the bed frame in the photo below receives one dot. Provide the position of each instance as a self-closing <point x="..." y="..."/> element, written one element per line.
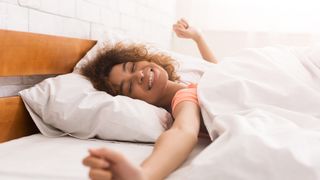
<point x="25" y="54"/>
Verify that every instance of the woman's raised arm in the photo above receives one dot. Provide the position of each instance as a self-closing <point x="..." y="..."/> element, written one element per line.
<point x="183" y="30"/>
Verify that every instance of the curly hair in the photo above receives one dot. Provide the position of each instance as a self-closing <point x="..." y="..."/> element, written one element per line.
<point x="98" y="70"/>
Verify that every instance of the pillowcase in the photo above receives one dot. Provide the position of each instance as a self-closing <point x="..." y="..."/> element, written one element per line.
<point x="69" y="104"/>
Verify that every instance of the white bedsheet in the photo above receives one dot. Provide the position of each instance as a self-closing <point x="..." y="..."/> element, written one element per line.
<point x="262" y="108"/>
<point x="40" y="157"/>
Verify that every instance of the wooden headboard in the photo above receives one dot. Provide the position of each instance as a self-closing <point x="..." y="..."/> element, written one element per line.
<point x="23" y="54"/>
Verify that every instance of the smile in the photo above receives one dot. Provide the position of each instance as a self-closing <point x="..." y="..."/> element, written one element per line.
<point x="151" y="78"/>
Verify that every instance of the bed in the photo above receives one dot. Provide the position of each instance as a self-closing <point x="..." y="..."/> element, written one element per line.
<point x="260" y="107"/>
<point x="27" y="154"/>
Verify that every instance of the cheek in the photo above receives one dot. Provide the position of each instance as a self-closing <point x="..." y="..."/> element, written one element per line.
<point x="159" y="90"/>
<point x="150" y="97"/>
<point x="163" y="78"/>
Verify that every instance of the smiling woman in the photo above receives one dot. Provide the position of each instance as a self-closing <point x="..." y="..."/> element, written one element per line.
<point x="135" y="71"/>
<point x="131" y="70"/>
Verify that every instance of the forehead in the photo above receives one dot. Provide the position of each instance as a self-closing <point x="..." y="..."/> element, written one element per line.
<point x="118" y="73"/>
<point x="115" y="75"/>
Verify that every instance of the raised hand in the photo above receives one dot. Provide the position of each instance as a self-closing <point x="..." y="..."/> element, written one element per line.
<point x="184" y="30"/>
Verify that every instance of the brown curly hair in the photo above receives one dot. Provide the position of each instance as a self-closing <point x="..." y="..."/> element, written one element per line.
<point x="97" y="70"/>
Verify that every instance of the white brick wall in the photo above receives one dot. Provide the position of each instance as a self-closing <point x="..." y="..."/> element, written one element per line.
<point x="40" y="22"/>
<point x="144" y="20"/>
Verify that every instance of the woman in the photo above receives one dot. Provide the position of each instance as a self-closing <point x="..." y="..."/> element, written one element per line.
<point x="150" y="77"/>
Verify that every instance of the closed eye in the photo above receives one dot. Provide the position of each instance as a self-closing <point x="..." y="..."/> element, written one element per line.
<point x="133" y="67"/>
<point x="130" y="87"/>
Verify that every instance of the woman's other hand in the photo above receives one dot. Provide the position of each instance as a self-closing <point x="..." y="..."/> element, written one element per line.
<point x="184" y="30"/>
<point x="107" y="164"/>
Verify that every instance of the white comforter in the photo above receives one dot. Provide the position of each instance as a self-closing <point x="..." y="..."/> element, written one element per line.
<point x="262" y="110"/>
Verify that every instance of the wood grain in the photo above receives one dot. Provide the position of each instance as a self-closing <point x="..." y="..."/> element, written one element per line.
<point x="23" y="53"/>
<point x="15" y="121"/>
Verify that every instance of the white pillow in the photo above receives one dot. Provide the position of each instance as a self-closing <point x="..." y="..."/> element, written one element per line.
<point x="68" y="104"/>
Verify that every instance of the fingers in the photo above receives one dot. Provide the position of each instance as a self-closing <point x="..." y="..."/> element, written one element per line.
<point x="98" y="168"/>
<point x="98" y="174"/>
<point x="101" y="162"/>
<point x="182" y="23"/>
<point x="94" y="162"/>
<point x="181" y="28"/>
<point x="106" y="153"/>
<point x="178" y="28"/>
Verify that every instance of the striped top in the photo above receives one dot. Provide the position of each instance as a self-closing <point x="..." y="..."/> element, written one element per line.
<point x="187" y="94"/>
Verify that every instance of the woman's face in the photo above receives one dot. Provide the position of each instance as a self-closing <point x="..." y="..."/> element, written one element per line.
<point x="142" y="80"/>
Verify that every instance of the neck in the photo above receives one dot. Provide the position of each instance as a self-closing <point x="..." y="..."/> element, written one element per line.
<point x="168" y="94"/>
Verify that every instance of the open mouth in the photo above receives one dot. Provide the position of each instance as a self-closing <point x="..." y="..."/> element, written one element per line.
<point x="151" y="78"/>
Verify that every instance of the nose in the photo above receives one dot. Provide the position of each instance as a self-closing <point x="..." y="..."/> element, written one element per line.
<point x="139" y="76"/>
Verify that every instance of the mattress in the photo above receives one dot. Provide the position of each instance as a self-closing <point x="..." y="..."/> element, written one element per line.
<point x="41" y="157"/>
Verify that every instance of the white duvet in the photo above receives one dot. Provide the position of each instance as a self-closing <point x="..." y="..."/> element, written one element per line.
<point x="262" y="110"/>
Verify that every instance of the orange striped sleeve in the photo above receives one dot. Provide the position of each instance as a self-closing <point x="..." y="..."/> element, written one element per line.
<point x="188" y="94"/>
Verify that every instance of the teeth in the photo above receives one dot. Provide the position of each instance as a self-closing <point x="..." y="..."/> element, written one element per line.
<point x="151" y="79"/>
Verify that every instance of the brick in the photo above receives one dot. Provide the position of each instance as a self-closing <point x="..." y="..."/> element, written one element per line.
<point x="50" y="6"/>
<point x="165" y="38"/>
<point x="55" y="25"/>
<point x="153" y="3"/>
<point x="75" y="28"/>
<point x="127" y="7"/>
<point x="98" y="31"/>
<point x="110" y="4"/>
<point x="13" y="17"/>
<point x="103" y="3"/>
<point x="59" y="7"/>
<point x="15" y="2"/>
<point x="44" y="23"/>
<point x="144" y="12"/>
<point x="87" y="11"/>
<point x="34" y="4"/>
<point x="168" y="7"/>
<point x="67" y="8"/>
<point x="142" y="2"/>
<point x="128" y="22"/>
<point x="110" y="18"/>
